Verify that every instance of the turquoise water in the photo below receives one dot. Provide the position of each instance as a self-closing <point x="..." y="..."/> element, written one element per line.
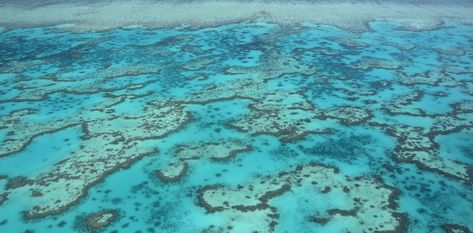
<point x="245" y="127"/>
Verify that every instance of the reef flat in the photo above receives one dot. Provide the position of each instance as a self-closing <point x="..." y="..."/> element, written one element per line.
<point x="247" y="126"/>
<point x="103" y="15"/>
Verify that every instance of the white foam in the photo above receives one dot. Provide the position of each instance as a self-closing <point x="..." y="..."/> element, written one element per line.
<point x="352" y="16"/>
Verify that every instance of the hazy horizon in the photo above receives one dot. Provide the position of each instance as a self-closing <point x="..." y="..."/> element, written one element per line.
<point x="49" y="2"/>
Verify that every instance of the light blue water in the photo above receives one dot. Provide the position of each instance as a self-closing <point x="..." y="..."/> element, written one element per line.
<point x="255" y="84"/>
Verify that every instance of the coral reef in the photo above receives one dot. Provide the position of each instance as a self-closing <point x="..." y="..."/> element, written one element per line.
<point x="108" y="145"/>
<point x="96" y="222"/>
<point x="125" y="125"/>
<point x="369" y="197"/>
<point x="187" y="154"/>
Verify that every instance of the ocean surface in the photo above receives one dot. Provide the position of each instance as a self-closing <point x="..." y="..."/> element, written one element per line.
<point x="249" y="126"/>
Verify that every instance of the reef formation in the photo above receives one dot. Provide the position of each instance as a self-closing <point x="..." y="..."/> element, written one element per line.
<point x="232" y="129"/>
